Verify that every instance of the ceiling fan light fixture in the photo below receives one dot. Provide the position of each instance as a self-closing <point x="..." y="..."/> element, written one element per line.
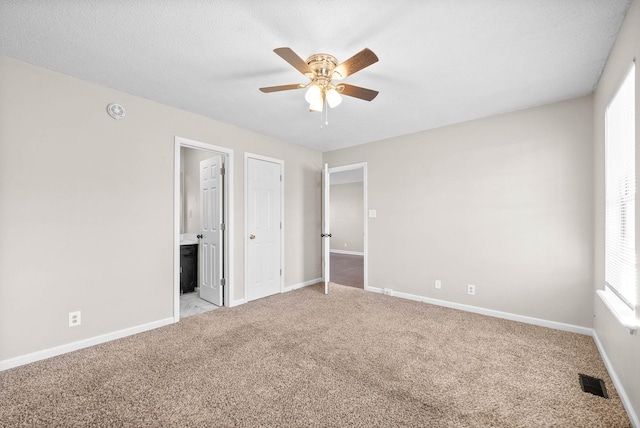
<point x="333" y="98"/>
<point x="314" y="94"/>
<point x="321" y="92"/>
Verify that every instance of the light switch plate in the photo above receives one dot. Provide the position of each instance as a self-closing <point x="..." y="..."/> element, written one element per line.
<point x="372" y="213"/>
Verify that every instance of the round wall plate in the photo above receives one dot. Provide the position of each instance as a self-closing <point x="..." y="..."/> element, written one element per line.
<point x="116" y="111"/>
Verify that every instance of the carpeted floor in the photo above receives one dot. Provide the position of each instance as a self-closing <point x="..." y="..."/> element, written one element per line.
<point x="349" y="359"/>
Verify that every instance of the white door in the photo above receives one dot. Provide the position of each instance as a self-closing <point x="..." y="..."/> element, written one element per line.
<point x="264" y="224"/>
<point x="326" y="234"/>
<point x="211" y="229"/>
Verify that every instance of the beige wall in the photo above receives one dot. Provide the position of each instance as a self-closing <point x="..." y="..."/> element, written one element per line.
<point x="622" y="349"/>
<point x="86" y="207"/>
<point x="504" y="203"/>
<point x="347" y="217"/>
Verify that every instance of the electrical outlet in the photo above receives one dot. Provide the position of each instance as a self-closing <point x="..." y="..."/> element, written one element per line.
<point x="387" y="291"/>
<point x="438" y="284"/>
<point x="74" y="319"/>
<point x="471" y="289"/>
<point x="345" y="245"/>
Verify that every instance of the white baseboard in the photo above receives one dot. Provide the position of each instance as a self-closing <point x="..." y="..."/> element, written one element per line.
<point x="626" y="402"/>
<point x="238" y="302"/>
<point x="301" y="285"/>
<point x="284" y="290"/>
<point x="490" y="312"/>
<point x="85" y="343"/>
<point x="351" y="253"/>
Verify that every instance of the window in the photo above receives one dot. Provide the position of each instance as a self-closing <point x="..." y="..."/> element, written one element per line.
<point x="620" y="193"/>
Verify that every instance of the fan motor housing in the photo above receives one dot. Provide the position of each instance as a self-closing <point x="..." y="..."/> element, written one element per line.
<point x="322" y="64"/>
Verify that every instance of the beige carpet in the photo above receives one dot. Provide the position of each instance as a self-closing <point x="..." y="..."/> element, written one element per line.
<point x="349" y="359"/>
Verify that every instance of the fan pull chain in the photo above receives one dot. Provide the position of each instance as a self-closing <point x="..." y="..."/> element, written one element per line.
<point x="326" y="112"/>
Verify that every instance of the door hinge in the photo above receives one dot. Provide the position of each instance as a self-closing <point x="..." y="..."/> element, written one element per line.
<point x="280" y="177"/>
<point x="222" y="170"/>
<point x="222" y="226"/>
<point x="280" y="225"/>
<point x="280" y="272"/>
<point x="223" y="282"/>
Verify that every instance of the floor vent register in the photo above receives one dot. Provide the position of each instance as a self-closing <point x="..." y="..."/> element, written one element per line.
<point x="593" y="385"/>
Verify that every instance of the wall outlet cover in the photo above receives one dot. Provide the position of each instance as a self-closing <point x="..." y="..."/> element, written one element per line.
<point x="387" y="291"/>
<point x="438" y="284"/>
<point x="75" y="319"/>
<point x="471" y="289"/>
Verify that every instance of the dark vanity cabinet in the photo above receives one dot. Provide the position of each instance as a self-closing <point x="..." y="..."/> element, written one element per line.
<point x="188" y="268"/>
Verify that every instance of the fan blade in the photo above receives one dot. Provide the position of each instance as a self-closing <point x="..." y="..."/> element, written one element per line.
<point x="282" y="88"/>
<point x="361" y="60"/>
<point x="357" y="92"/>
<point x="292" y="58"/>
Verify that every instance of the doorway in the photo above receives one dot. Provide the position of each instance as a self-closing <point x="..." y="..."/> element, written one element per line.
<point x="345" y="233"/>
<point x="188" y="217"/>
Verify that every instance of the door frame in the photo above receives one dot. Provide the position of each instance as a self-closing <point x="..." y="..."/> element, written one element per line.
<point x="280" y="162"/>
<point x="228" y="261"/>
<point x="365" y="210"/>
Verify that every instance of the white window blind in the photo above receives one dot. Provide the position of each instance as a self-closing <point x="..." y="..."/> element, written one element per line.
<point x="620" y="188"/>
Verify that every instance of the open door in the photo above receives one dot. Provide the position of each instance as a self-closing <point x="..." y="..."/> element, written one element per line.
<point x="211" y="229"/>
<point x="326" y="235"/>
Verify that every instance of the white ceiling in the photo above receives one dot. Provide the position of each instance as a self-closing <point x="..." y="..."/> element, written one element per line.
<point x="441" y="62"/>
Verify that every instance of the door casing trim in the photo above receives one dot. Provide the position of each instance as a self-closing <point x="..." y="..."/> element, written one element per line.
<point x="363" y="166"/>
<point x="228" y="213"/>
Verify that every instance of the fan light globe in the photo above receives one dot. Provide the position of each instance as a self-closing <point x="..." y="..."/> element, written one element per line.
<point x="313" y="95"/>
<point x="316" y="105"/>
<point x="333" y="98"/>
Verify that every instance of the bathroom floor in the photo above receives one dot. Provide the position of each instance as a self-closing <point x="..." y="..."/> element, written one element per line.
<point x="191" y="304"/>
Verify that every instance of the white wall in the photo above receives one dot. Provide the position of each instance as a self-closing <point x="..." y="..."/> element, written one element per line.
<point x="622" y="349"/>
<point x="504" y="203"/>
<point x="347" y="217"/>
<point x="86" y="207"/>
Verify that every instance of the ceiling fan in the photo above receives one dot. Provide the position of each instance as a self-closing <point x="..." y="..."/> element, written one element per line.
<point x="323" y="69"/>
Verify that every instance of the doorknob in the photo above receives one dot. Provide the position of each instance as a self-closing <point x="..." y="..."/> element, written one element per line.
<point x="199" y="236"/>
<point x="252" y="236"/>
